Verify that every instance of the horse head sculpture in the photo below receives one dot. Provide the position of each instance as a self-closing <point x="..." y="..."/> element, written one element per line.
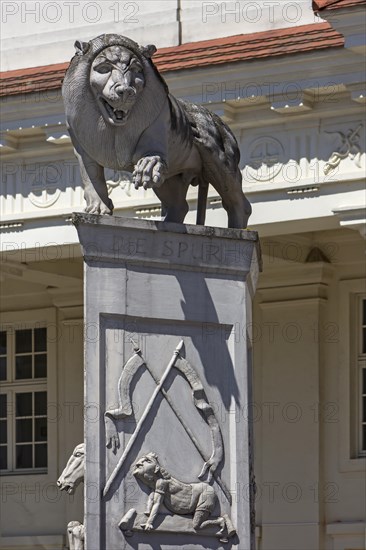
<point x="73" y="473"/>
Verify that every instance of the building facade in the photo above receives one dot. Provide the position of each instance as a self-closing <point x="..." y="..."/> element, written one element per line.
<point x="289" y="80"/>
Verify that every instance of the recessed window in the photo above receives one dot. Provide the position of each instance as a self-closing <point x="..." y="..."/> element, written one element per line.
<point x="30" y="354"/>
<point x="3" y="432"/>
<point x="3" y="355"/>
<point x="31" y="429"/>
<point x="23" y="399"/>
<point x="361" y="377"/>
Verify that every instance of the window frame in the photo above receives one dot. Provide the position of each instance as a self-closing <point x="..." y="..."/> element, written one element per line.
<point x="350" y="458"/>
<point x="360" y="365"/>
<point x="12" y="321"/>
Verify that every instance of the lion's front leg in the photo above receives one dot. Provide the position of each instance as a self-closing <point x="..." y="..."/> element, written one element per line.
<point x="149" y="171"/>
<point x="95" y="187"/>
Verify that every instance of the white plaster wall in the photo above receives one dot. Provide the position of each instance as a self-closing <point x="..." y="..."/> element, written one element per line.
<point x="32" y="507"/>
<point x="213" y="19"/>
<point x="303" y="469"/>
<point x="43" y="32"/>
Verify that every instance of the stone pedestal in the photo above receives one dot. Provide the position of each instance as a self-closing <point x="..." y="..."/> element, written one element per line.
<point x="167" y="371"/>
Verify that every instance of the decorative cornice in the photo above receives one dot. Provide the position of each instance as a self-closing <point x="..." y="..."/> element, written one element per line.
<point x="352" y="217"/>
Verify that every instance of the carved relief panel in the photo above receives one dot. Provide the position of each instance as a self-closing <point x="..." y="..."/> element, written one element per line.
<point x="165" y="407"/>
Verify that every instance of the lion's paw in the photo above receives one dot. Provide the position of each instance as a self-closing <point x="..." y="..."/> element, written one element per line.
<point x="149" y="172"/>
<point x="98" y="207"/>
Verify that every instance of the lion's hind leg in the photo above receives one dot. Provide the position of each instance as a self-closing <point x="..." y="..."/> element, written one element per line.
<point x="229" y="187"/>
<point x="172" y="194"/>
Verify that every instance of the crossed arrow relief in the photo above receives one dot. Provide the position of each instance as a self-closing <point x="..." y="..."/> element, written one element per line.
<point x="137" y="361"/>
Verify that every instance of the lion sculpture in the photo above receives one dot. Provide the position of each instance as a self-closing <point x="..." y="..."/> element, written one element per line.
<point x="120" y="115"/>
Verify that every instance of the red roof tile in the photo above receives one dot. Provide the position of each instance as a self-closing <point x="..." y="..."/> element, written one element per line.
<point x="336" y="4"/>
<point x="194" y="55"/>
<point x="248" y="47"/>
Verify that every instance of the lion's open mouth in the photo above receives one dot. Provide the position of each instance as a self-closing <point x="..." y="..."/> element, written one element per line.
<point x="115" y="116"/>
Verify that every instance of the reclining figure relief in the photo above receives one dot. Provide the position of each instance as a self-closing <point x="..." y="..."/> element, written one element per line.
<point x="120" y="115"/>
<point x="198" y="499"/>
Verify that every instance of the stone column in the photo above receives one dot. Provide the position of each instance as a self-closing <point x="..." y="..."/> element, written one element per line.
<point x="295" y="337"/>
<point x="167" y="384"/>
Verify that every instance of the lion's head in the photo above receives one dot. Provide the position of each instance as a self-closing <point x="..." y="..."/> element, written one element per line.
<point x="117" y="79"/>
<point x="116" y="70"/>
<point x="112" y="90"/>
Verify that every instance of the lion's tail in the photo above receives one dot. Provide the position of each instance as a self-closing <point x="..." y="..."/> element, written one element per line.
<point x="202" y="202"/>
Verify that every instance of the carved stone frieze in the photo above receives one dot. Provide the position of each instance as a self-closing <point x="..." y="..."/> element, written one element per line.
<point x="44" y="183"/>
<point x="265" y="158"/>
<point x="349" y="147"/>
<point x="303" y="157"/>
<point x="44" y="197"/>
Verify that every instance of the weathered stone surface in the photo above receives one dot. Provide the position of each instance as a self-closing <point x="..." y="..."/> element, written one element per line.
<point x="159" y="284"/>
